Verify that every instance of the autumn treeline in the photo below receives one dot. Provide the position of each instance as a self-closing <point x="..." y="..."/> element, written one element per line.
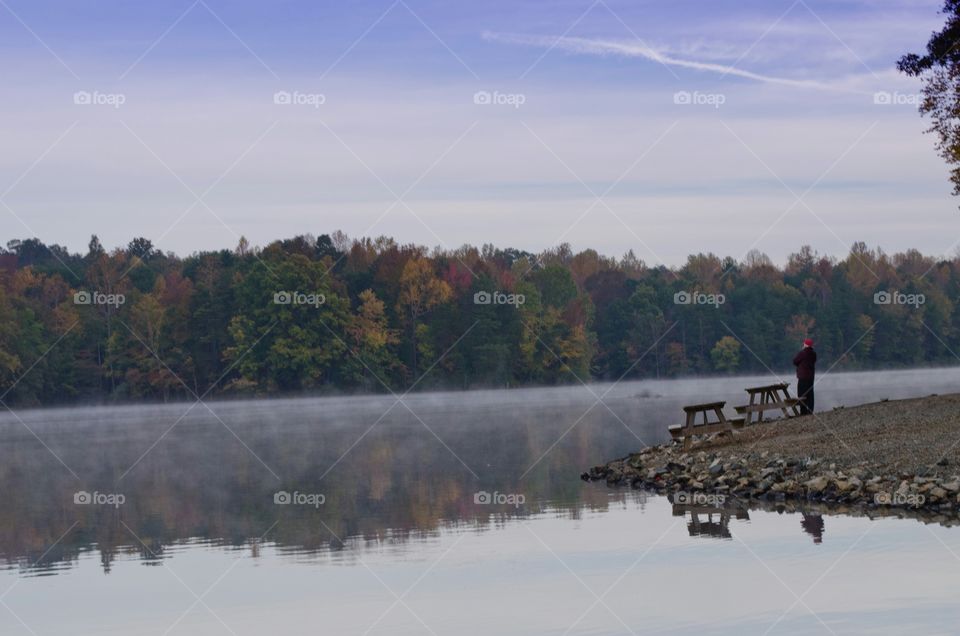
<point x="331" y="313"/>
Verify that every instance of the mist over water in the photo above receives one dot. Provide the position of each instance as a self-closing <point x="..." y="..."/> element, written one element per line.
<point x="484" y="483"/>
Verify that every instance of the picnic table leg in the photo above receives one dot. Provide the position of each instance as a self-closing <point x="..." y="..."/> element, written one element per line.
<point x="727" y="428"/>
<point x="786" y="413"/>
<point x="786" y="396"/>
<point x="795" y="408"/>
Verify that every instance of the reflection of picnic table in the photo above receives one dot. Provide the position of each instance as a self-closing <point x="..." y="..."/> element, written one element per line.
<point x="772" y="397"/>
<point x="690" y="428"/>
<point x="717" y="520"/>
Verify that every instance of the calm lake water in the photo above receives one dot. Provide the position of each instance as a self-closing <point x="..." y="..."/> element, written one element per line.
<point x="449" y="513"/>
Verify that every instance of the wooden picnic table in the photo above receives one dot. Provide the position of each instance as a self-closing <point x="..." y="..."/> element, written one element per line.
<point x="771" y="397"/>
<point x="690" y="427"/>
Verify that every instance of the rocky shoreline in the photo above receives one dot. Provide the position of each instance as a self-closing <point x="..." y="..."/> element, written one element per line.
<point x="882" y="456"/>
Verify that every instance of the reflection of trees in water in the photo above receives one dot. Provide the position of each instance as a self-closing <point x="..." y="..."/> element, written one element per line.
<point x="398" y="484"/>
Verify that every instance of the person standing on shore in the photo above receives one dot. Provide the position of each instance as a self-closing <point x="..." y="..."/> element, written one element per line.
<point x="806" y="362"/>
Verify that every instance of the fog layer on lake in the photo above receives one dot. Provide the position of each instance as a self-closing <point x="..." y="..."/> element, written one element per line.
<point x="292" y="513"/>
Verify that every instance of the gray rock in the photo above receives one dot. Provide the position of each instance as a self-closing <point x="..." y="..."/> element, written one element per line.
<point x="844" y="485"/>
<point x="817" y="485"/>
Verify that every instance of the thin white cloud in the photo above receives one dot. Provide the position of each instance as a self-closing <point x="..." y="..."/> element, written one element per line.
<point x="585" y="46"/>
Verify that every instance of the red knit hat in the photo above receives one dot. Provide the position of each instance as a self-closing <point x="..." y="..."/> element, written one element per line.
<point x="808" y="342"/>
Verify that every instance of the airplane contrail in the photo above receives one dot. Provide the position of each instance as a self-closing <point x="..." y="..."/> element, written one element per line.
<point x="610" y="47"/>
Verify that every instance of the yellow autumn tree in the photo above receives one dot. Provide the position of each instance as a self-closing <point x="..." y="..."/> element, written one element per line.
<point x="420" y="291"/>
<point x="370" y="334"/>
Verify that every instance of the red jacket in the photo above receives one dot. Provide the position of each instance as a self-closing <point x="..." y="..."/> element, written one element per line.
<point x="805" y="361"/>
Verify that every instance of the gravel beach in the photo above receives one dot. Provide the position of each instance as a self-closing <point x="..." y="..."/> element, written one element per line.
<point x="889" y="454"/>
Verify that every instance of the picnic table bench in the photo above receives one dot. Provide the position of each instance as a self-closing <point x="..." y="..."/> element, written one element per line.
<point x="689" y="428"/>
<point x="771" y="397"/>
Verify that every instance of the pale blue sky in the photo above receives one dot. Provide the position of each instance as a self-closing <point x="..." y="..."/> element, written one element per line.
<point x="783" y="101"/>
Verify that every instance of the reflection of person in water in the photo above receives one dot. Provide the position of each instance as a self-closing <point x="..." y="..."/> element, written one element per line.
<point x="813" y="525"/>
